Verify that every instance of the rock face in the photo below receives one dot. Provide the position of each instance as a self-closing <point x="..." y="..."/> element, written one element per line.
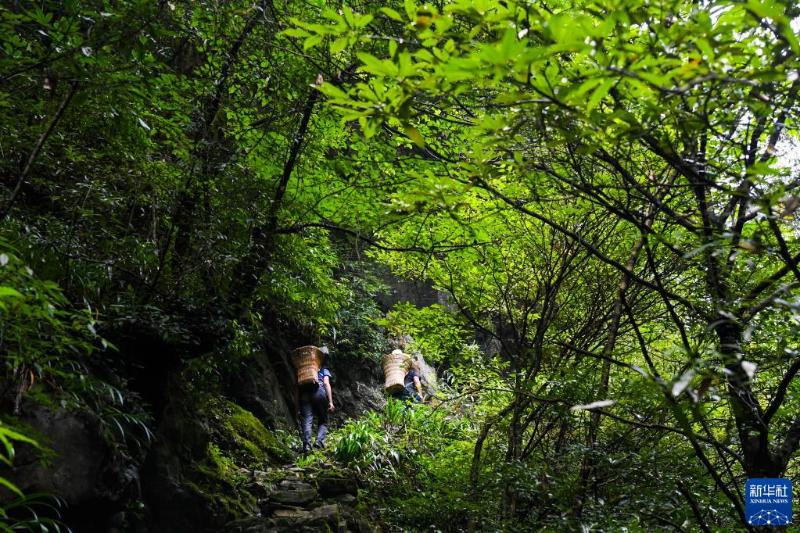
<point x="85" y="471"/>
<point x="332" y="486"/>
<point x="420" y="293"/>
<point x="264" y="390"/>
<point x="182" y="439"/>
<point x="267" y="385"/>
<point x="195" y="479"/>
<point x="357" y="387"/>
<point x="80" y="452"/>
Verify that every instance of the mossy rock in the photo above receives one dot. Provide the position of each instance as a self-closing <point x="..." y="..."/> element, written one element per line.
<point x="238" y="444"/>
<point x="220" y="483"/>
<point x="245" y="439"/>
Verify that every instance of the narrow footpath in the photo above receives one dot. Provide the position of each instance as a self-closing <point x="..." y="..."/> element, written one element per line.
<point x="293" y="499"/>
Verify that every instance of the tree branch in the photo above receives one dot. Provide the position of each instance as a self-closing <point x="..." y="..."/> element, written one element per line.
<point x="589" y="247"/>
<point x="296" y="228"/>
<point x="780" y="393"/>
<point x="73" y="88"/>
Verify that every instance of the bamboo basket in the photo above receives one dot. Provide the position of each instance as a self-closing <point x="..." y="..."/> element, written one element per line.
<point x="395" y="368"/>
<point x="307" y="361"/>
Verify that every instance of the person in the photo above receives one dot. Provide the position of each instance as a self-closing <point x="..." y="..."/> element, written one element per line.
<point x="316" y="400"/>
<point x="412" y="382"/>
<point x="412" y="385"/>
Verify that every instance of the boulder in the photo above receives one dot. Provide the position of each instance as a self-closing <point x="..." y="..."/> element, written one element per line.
<point x="79" y="455"/>
<point x="96" y="480"/>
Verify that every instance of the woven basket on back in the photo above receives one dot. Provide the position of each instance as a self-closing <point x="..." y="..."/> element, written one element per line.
<point x="308" y="361"/>
<point x="395" y="367"/>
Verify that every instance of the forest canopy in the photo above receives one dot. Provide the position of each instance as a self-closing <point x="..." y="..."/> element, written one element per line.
<point x="604" y="193"/>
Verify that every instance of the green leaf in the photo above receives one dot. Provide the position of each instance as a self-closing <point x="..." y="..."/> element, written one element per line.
<point x="8" y="292"/>
<point x="349" y="16"/>
<point x="10" y="433"/>
<point x="791" y="37"/>
<point x="332" y="91"/>
<point x="410" y="8"/>
<point x="375" y="66"/>
<point x="363" y="20"/>
<point x="414" y="134"/>
<point x="585" y="87"/>
<point x="339" y="44"/>
<point x="705" y="48"/>
<point x="312" y="41"/>
<point x="599" y="93"/>
<point x="10" y="486"/>
<point x="295" y="32"/>
<point x="392" y="14"/>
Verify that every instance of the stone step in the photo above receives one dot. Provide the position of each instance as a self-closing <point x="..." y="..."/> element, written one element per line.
<point x="294" y="484"/>
<point x="321" y="518"/>
<point x="291" y="496"/>
<point x="292" y="514"/>
<point x="268" y="507"/>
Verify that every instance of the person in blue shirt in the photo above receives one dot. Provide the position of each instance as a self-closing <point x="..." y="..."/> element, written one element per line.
<point x="412" y="385"/>
<point x="316" y="400"/>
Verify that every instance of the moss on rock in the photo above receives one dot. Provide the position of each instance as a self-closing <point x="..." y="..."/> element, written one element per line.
<point x="238" y="443"/>
<point x="220" y="484"/>
<point x="255" y="438"/>
<point x="237" y="431"/>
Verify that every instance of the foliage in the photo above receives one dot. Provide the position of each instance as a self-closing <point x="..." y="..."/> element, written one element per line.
<point x="436" y="332"/>
<point x="48" y="347"/>
<point x="355" y="331"/>
<point x="208" y="372"/>
<point x="413" y="458"/>
<point x="33" y="512"/>
<point x="605" y="190"/>
<point x="42" y="340"/>
<point x="220" y="483"/>
<point x="303" y="283"/>
<point x="25" y="511"/>
<point x="8" y="437"/>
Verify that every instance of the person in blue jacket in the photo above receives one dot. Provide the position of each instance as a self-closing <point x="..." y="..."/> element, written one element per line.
<point x="412" y="389"/>
<point x="412" y="385"/>
<point x="316" y="400"/>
